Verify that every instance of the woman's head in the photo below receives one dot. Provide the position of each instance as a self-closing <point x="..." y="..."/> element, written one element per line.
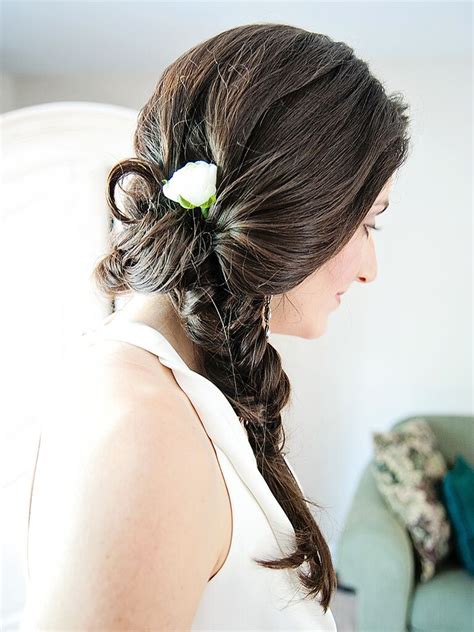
<point x="305" y="139"/>
<point x="303" y="311"/>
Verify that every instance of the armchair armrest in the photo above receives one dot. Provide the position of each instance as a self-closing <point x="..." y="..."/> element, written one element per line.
<point x="375" y="557"/>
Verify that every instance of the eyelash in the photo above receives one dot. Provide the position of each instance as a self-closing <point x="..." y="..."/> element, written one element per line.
<point x="371" y="226"/>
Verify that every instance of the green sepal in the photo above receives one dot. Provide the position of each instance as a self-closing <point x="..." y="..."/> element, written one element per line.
<point x="184" y="203"/>
<point x="188" y="205"/>
<point x="209" y="202"/>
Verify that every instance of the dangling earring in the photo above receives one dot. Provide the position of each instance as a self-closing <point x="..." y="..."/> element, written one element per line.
<point x="267" y="314"/>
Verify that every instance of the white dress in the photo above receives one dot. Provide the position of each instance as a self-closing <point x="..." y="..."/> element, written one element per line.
<point x="242" y="595"/>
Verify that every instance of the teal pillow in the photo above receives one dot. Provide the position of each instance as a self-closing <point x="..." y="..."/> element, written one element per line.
<point x="458" y="498"/>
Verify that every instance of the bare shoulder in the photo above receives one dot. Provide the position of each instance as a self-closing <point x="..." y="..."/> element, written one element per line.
<point x="117" y="387"/>
<point x="123" y="496"/>
<point x="110" y="377"/>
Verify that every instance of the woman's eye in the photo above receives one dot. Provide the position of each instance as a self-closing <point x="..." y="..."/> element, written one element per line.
<point x="373" y="227"/>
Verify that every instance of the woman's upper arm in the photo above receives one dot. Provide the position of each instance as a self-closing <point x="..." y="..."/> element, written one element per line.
<point x="129" y="542"/>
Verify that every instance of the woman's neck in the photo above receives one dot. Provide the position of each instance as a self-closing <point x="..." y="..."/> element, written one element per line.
<point x="157" y="311"/>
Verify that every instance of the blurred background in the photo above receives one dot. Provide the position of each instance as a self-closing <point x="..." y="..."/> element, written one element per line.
<point x="73" y="77"/>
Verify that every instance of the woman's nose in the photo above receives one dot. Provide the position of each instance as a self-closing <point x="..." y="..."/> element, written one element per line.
<point x="368" y="267"/>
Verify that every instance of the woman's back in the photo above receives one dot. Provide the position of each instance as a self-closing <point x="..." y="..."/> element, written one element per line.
<point x="241" y="594"/>
<point x="109" y="479"/>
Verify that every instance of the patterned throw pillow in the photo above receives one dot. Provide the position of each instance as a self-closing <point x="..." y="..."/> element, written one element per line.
<point x="408" y="469"/>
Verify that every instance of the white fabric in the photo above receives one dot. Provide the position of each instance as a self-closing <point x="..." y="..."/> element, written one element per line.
<point x="242" y="595"/>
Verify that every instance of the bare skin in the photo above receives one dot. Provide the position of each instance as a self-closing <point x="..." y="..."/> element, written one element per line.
<point x="158" y="312"/>
<point x="303" y="311"/>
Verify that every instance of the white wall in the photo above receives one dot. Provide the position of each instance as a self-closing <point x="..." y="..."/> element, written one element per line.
<point x="7" y="96"/>
<point x="403" y="344"/>
<point x="119" y="89"/>
<point x="399" y="346"/>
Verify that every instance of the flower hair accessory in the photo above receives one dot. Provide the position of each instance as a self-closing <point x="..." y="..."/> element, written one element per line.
<point x="193" y="185"/>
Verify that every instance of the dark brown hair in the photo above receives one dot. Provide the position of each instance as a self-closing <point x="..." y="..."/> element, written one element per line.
<point x="304" y="138"/>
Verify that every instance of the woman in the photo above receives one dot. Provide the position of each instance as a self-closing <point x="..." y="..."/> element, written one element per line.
<point x="185" y="512"/>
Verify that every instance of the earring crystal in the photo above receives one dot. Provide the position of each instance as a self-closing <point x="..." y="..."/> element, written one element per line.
<point x="267" y="314"/>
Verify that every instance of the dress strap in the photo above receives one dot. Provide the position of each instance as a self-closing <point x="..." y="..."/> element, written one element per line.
<point x="219" y="418"/>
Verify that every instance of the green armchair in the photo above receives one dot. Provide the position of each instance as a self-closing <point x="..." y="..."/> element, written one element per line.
<point x="375" y="556"/>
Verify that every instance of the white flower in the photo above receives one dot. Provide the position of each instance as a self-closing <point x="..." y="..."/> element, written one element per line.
<point x="193" y="185"/>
